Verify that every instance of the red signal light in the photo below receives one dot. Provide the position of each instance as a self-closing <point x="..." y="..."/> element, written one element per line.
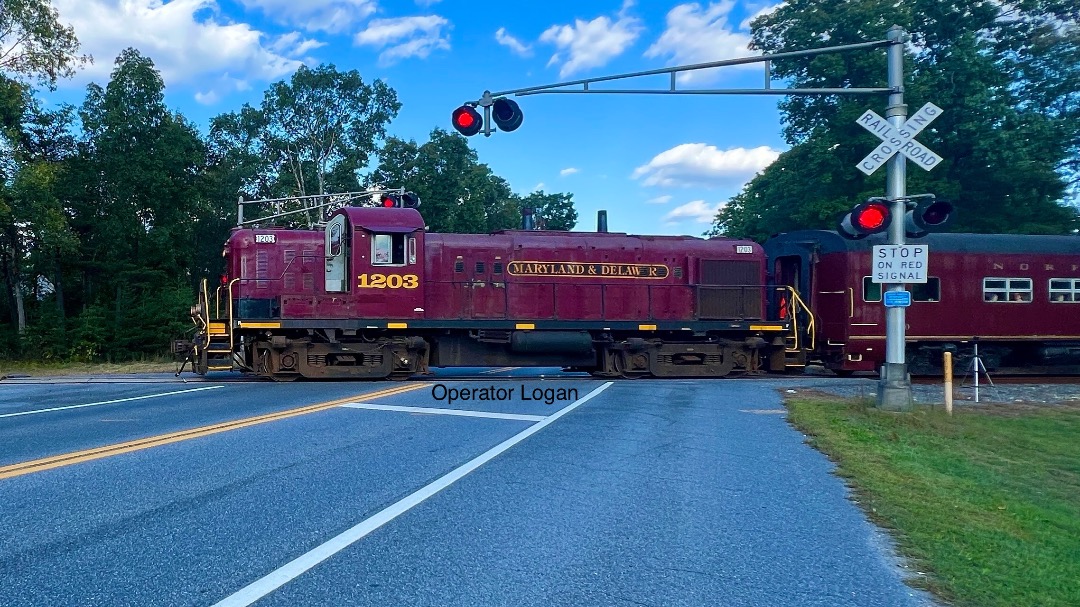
<point x="872" y="217"/>
<point x="388" y="201"/>
<point x="467" y="120"/>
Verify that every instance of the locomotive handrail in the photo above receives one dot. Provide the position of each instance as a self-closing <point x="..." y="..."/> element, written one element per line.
<point x="206" y="305"/>
<point x="811" y="328"/>
<point x="342" y="198"/>
<point x="231" y="322"/>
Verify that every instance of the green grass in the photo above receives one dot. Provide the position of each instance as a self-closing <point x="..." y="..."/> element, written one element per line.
<point x="38" y="369"/>
<point x="986" y="502"/>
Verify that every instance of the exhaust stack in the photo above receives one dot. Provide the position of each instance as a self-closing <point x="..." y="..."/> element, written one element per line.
<point x="601" y="221"/>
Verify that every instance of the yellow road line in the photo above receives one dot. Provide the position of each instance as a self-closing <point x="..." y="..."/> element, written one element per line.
<point x="78" y="457"/>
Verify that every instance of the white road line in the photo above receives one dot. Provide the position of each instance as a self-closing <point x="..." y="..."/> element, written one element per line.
<point x="108" y="402"/>
<point x="290" y="571"/>
<point x="499" y="370"/>
<point x="434" y="411"/>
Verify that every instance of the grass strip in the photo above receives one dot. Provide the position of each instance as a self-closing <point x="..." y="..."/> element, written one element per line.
<point x="986" y="502"/>
<point x="39" y="369"/>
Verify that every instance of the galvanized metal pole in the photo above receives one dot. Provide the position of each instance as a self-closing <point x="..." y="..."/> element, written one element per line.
<point x="894" y="389"/>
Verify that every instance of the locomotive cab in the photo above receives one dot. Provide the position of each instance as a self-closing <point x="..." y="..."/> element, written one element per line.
<point x="371" y="254"/>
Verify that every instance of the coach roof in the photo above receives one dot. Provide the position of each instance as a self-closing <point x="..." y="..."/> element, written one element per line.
<point x="824" y="241"/>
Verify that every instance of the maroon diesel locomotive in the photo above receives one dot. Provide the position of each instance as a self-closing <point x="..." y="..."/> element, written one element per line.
<point x="1017" y="296"/>
<point x="372" y="294"/>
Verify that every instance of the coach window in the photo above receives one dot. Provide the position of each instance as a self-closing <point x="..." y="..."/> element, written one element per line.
<point x="1064" y="290"/>
<point x="1013" y="290"/>
<point x="871" y="291"/>
<point x="928" y="291"/>
<point x="388" y="250"/>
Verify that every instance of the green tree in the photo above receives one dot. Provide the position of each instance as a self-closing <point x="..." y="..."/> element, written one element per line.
<point x="33" y="43"/>
<point x="1007" y="76"/>
<point x="136" y="195"/>
<point x="553" y="211"/>
<point x="458" y="193"/>
<point x="35" y="236"/>
<point x="311" y="135"/>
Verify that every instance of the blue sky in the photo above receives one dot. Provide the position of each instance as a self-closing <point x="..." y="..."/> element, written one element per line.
<point x="657" y="164"/>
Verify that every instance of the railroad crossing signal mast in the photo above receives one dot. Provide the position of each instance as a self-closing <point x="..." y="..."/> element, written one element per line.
<point x="877" y="215"/>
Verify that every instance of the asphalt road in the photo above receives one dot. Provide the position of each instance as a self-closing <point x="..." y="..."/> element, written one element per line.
<point x="625" y="493"/>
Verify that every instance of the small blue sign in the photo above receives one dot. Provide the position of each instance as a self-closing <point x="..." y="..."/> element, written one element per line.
<point x="897" y="299"/>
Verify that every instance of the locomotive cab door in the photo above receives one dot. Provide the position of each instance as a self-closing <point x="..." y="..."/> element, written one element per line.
<point x="337" y="255"/>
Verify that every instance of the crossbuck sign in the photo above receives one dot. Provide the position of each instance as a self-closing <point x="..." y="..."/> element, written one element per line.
<point x="900" y="140"/>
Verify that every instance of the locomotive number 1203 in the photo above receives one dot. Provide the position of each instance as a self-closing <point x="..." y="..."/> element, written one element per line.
<point x="388" y="281"/>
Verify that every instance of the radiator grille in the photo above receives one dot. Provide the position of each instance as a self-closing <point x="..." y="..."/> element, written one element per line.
<point x="730" y="290"/>
<point x="723" y="272"/>
<point x="729" y="302"/>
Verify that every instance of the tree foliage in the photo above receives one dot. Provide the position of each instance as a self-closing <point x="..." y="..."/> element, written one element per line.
<point x="33" y="42"/>
<point x="1007" y="76"/>
<point x="311" y="135"/>
<point x="553" y="211"/>
<point x="112" y="211"/>
<point x="458" y="192"/>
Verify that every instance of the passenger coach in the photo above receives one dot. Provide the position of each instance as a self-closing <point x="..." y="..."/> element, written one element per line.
<point x="1017" y="295"/>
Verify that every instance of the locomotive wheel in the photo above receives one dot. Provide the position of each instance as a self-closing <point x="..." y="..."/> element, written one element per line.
<point x="638" y="360"/>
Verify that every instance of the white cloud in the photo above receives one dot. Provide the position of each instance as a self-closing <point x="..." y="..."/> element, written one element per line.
<point x="515" y="45"/>
<point x="701" y="35"/>
<point x="697" y="164"/>
<point x="427" y="3"/>
<point x="589" y="44"/>
<point x="404" y="37"/>
<point x="569" y="171"/>
<point x="666" y="198"/>
<point x="187" y="41"/>
<point x="538" y="187"/>
<point x="696" y="210"/>
<point x="331" y="16"/>
<point x="764" y="10"/>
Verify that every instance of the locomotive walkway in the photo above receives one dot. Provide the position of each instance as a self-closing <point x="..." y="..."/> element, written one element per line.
<point x="532" y="492"/>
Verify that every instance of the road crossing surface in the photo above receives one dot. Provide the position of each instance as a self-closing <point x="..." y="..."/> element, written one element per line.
<point x="151" y="491"/>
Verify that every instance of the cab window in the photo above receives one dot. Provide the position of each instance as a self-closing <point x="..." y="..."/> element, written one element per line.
<point x="388" y="250"/>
